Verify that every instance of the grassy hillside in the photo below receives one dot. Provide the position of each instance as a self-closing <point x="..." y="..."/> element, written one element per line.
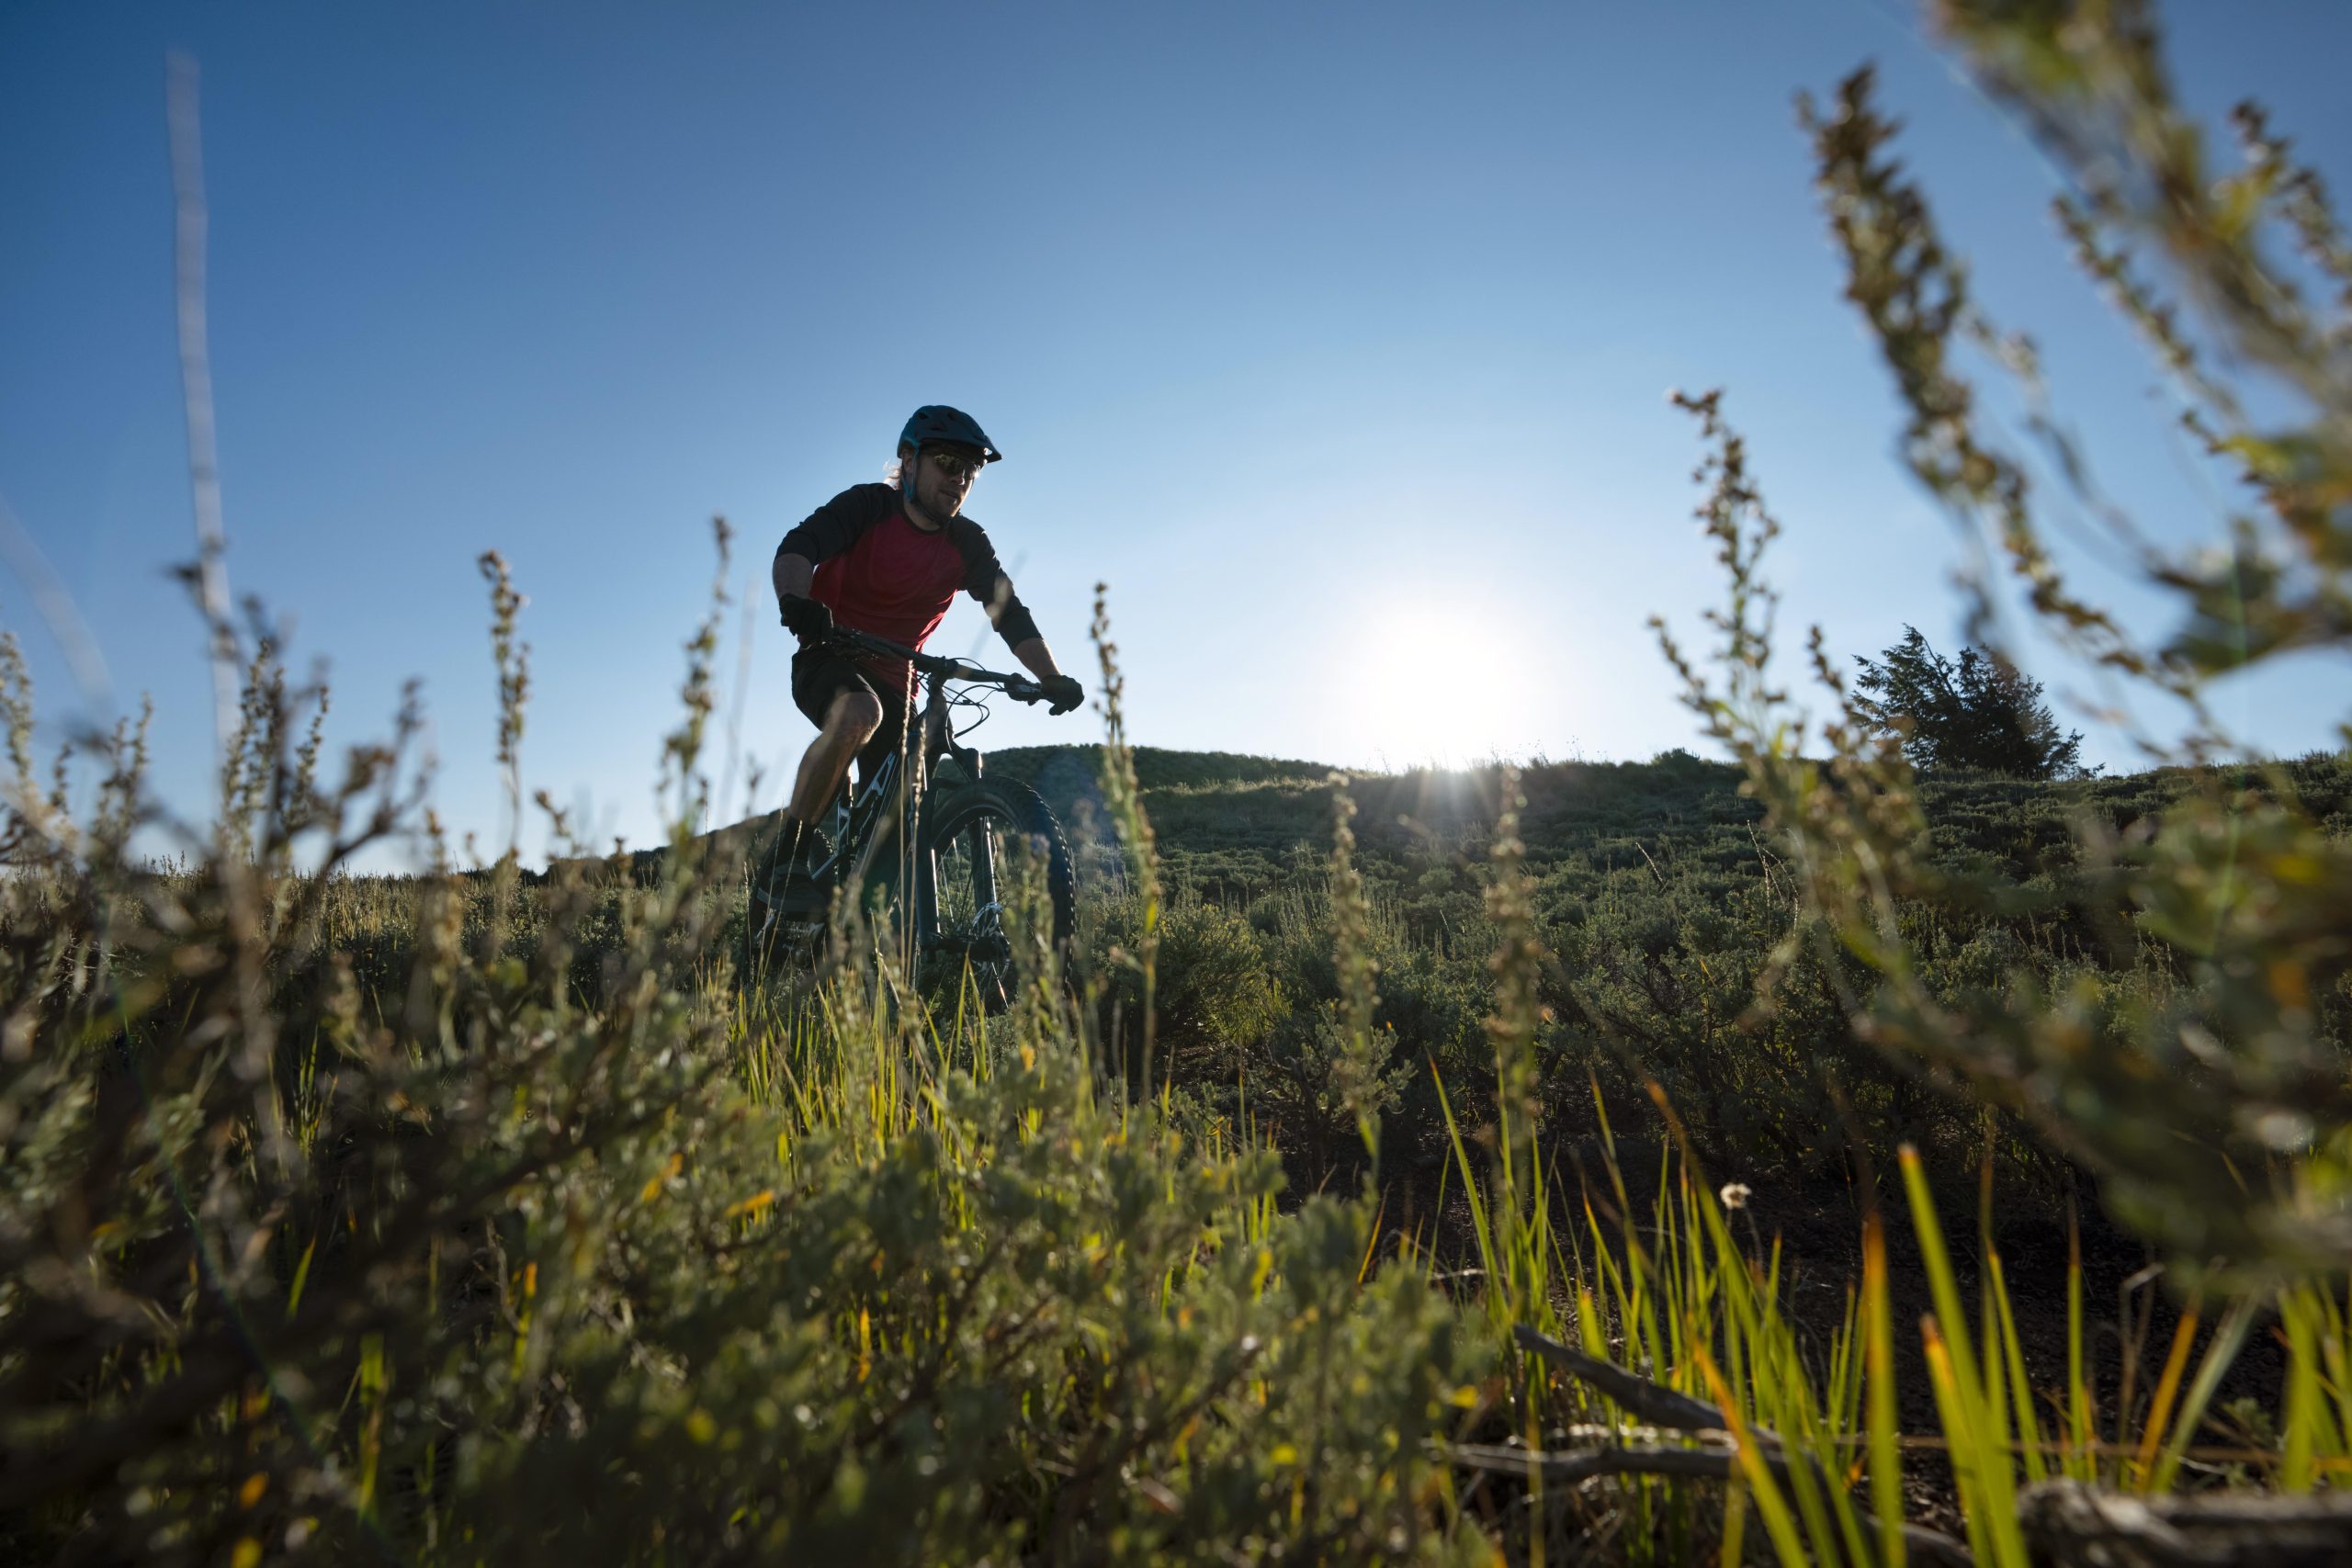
<point x="1659" y="902"/>
<point x="1218" y="803"/>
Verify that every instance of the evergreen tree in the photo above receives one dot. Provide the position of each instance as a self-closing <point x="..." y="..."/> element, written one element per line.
<point x="1981" y="712"/>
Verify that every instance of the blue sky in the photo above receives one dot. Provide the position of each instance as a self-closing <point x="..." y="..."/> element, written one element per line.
<point x="1335" y="339"/>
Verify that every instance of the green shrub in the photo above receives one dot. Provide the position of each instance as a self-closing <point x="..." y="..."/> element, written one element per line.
<point x="449" y="1218"/>
<point x="2208" y="1091"/>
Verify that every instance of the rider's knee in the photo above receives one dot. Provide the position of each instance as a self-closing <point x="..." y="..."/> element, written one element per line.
<point x="856" y="715"/>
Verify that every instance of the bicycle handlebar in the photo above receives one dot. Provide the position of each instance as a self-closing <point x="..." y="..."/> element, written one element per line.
<point x="1020" y="688"/>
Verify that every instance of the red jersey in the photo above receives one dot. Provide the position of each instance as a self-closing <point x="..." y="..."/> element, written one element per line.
<point x="880" y="574"/>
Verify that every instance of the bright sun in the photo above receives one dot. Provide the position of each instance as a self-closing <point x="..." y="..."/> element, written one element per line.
<point x="1440" y="685"/>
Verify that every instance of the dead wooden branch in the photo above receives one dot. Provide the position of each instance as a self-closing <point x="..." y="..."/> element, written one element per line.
<point x="2068" y="1525"/>
<point x="1715" y="1458"/>
<point x="1658" y="1406"/>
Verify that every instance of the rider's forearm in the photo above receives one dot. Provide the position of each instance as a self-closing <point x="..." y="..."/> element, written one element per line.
<point x="792" y="574"/>
<point x="1039" y="658"/>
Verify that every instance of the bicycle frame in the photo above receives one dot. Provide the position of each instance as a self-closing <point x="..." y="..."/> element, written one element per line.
<point x="862" y="820"/>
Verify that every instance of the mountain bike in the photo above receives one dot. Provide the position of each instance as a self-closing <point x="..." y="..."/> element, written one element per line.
<point x="957" y="838"/>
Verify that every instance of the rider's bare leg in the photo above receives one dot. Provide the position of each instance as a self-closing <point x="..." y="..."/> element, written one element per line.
<point x="850" y="722"/>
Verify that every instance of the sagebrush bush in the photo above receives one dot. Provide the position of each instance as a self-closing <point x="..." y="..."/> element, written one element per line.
<point x="2208" y="1092"/>
<point x="467" y="1219"/>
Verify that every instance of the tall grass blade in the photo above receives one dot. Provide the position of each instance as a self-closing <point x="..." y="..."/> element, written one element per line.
<point x="2028" y="1429"/>
<point x="2299" y="1425"/>
<point x="2220" y="1353"/>
<point x="1780" y="1526"/>
<point x="2152" y="1431"/>
<point x="1885" y="1457"/>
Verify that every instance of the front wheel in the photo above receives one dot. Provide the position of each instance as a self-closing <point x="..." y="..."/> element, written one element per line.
<point x="1002" y="888"/>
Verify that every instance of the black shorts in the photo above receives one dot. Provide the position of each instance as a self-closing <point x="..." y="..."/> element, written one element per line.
<point x="819" y="677"/>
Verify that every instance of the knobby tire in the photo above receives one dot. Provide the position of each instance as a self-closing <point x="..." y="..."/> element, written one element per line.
<point x="1012" y="812"/>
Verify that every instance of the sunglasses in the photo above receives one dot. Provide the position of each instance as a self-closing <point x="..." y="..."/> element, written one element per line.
<point x="954" y="464"/>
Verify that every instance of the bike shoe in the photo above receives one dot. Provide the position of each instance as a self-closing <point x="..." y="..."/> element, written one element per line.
<point x="796" y="878"/>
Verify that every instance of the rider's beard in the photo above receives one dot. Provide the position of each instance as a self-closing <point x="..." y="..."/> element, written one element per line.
<point x="939" y="503"/>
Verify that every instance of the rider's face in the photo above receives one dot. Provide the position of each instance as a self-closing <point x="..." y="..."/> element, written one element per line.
<point x="942" y="480"/>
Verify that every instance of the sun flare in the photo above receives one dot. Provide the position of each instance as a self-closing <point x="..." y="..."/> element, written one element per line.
<point x="1444" y="686"/>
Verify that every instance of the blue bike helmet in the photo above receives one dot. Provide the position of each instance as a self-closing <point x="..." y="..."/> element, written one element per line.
<point x="938" y="421"/>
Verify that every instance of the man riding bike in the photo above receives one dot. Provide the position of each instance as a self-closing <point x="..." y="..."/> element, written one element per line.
<point x="887" y="561"/>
